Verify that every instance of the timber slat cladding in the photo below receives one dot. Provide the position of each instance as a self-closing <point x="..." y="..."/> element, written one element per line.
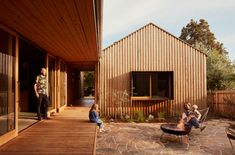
<point x="151" y="49"/>
<point x="64" y="28"/>
<point x="68" y="133"/>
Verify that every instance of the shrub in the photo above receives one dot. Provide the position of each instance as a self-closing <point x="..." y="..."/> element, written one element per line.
<point x="161" y="116"/>
<point x="139" y="116"/>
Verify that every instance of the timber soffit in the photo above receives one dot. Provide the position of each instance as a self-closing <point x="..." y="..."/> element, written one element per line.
<point x="147" y="25"/>
<point x="62" y="44"/>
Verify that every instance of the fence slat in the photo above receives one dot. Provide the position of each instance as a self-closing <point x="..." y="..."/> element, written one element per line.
<point x="222" y="103"/>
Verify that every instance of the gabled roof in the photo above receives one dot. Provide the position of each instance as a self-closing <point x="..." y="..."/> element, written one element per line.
<point x="147" y="25"/>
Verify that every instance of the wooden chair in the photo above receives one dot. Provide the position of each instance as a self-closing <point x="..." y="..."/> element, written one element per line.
<point x="230" y="134"/>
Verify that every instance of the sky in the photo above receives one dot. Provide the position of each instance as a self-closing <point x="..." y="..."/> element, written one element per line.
<point x="122" y="17"/>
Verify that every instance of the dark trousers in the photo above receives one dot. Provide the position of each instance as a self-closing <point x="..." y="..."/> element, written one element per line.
<point x="192" y="122"/>
<point x="43" y="103"/>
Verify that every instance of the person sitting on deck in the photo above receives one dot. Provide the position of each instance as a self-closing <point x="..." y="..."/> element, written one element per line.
<point x="191" y="117"/>
<point x="94" y="116"/>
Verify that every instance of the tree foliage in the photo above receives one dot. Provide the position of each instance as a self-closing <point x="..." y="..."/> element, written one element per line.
<point x="220" y="69"/>
<point x="89" y="82"/>
<point x="199" y="33"/>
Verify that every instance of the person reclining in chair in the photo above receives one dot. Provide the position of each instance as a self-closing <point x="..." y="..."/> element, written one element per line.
<point x="195" y="113"/>
<point x="191" y="117"/>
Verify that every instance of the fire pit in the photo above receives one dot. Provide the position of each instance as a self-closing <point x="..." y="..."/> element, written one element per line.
<point x="172" y="128"/>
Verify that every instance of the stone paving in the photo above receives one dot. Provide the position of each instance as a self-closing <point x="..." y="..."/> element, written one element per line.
<point x="144" y="139"/>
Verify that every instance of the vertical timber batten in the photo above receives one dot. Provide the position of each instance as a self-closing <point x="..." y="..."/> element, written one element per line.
<point x="151" y="49"/>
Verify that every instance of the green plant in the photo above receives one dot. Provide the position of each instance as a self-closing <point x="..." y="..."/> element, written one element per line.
<point x="102" y="117"/>
<point x="161" y="116"/>
<point x="139" y="116"/>
<point x="89" y="83"/>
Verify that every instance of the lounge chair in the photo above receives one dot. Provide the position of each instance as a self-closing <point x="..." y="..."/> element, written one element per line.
<point x="230" y="134"/>
<point x="204" y="113"/>
<point x="166" y="129"/>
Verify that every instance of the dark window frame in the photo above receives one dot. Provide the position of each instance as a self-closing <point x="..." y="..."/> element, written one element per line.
<point x="163" y="80"/>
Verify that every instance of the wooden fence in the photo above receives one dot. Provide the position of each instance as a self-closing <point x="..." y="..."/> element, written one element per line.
<point x="222" y="103"/>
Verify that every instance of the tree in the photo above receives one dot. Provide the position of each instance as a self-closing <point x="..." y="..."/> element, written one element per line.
<point x="89" y="83"/>
<point x="220" y="70"/>
<point x="195" y="33"/>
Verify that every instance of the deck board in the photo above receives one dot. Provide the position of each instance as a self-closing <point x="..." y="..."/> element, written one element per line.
<point x="69" y="132"/>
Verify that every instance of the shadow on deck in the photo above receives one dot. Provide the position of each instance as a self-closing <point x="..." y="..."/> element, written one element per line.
<point x="69" y="132"/>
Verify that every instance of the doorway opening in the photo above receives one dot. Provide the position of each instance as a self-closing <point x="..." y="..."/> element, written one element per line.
<point x="83" y="84"/>
<point x="88" y="80"/>
<point x="31" y="60"/>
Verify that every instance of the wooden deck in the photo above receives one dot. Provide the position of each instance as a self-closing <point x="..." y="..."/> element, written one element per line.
<point x="69" y="132"/>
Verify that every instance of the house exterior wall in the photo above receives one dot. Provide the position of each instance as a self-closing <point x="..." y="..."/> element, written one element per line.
<point x="150" y="49"/>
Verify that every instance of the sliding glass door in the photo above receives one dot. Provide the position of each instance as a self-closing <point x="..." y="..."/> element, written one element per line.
<point x="7" y="82"/>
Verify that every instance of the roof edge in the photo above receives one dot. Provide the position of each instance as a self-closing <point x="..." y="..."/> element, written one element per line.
<point x="158" y="28"/>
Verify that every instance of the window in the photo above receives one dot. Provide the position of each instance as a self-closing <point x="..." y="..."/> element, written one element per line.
<point x="141" y="84"/>
<point x="153" y="85"/>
